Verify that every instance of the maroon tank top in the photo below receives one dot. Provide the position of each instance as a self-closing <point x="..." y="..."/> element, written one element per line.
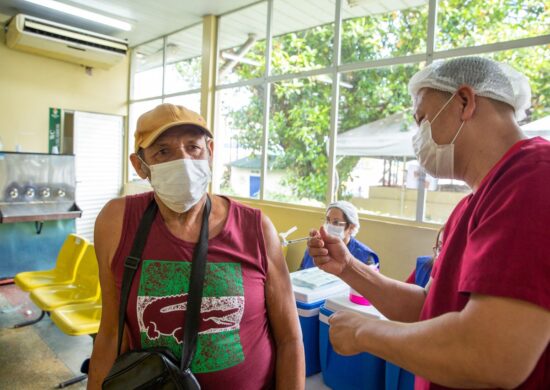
<point x="235" y="348"/>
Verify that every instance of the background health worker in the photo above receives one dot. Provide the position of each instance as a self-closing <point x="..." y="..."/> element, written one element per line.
<point x="342" y="220"/>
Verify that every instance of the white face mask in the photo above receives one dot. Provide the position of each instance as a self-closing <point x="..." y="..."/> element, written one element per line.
<point x="180" y="184"/>
<point x="335" y="230"/>
<point x="437" y="160"/>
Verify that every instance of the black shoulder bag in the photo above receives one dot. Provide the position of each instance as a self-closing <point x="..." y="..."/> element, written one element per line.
<point x="157" y="368"/>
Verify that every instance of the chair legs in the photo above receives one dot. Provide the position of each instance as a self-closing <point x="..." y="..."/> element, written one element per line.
<point x="26" y="323"/>
<point x="72" y="381"/>
<point x="84" y="369"/>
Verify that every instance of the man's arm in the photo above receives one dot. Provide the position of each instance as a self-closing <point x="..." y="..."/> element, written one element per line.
<point x="283" y="316"/>
<point x="396" y="300"/>
<point x="108" y="227"/>
<point x="492" y="342"/>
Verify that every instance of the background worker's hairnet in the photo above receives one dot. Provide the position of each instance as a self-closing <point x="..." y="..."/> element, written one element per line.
<point x="488" y="78"/>
<point x="349" y="211"/>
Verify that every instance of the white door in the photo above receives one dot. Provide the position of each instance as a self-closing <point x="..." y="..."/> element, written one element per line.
<point x="98" y="149"/>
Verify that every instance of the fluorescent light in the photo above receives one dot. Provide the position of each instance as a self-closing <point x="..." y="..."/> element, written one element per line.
<point x="95" y="17"/>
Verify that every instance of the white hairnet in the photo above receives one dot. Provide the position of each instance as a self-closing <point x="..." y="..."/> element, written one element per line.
<point x="488" y="78"/>
<point x="349" y="211"/>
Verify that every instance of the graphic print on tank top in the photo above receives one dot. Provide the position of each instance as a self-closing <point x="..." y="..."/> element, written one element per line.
<point x="161" y="307"/>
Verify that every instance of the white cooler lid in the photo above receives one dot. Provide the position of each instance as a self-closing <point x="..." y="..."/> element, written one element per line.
<point x="314" y="284"/>
<point x="342" y="302"/>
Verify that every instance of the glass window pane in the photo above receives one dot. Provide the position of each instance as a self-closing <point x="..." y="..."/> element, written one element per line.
<point x="298" y="137"/>
<point x="183" y="60"/>
<point x="442" y="196"/>
<point x="147" y="70"/>
<point x="135" y="111"/>
<point x="191" y="101"/>
<point x="533" y="63"/>
<point x="373" y="30"/>
<point x="303" y="34"/>
<point x="374" y="144"/>
<point x="242" y="44"/>
<point x="238" y="142"/>
<point x="472" y="23"/>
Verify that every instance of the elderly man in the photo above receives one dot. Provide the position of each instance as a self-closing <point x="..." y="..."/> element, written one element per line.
<point x="483" y="321"/>
<point x="249" y="337"/>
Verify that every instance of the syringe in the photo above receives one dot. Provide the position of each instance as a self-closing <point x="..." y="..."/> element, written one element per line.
<point x="297" y="240"/>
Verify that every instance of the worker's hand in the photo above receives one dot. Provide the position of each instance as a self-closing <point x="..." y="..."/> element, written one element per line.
<point x="344" y="326"/>
<point x="328" y="251"/>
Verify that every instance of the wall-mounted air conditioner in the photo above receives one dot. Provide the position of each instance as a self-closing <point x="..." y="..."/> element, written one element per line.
<point x="63" y="42"/>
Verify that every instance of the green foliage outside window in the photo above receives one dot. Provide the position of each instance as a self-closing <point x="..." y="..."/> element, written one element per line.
<point x="300" y="108"/>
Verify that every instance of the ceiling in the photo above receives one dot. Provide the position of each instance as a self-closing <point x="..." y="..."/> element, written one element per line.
<point x="153" y="19"/>
<point x="235" y="28"/>
<point x="149" y="19"/>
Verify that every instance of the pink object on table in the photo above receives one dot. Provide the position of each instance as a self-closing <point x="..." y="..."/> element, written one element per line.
<point x="357" y="298"/>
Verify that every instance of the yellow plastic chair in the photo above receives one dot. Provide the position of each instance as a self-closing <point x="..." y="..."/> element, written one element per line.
<point x="84" y="289"/>
<point x="64" y="272"/>
<point x="78" y="319"/>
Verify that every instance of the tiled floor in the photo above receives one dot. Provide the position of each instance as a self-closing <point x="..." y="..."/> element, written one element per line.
<point x="60" y="355"/>
<point x="64" y="354"/>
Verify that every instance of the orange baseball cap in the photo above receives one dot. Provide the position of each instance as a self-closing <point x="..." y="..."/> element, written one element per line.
<point x="163" y="117"/>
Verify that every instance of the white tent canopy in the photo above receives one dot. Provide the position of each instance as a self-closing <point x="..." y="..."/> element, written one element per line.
<point x="392" y="137"/>
<point x="540" y="127"/>
<point x="387" y="137"/>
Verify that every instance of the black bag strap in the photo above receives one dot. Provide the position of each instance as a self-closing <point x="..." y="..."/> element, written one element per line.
<point x="198" y="270"/>
<point x="194" y="299"/>
<point x="131" y="264"/>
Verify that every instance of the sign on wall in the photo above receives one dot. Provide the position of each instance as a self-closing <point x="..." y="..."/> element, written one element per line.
<point x="54" y="131"/>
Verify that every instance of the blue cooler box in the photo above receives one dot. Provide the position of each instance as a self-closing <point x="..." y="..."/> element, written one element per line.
<point x="397" y="378"/>
<point x="309" y="297"/>
<point x="363" y="371"/>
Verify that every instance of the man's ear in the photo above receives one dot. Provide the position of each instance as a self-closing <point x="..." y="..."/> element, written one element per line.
<point x="467" y="98"/>
<point x="140" y="169"/>
<point x="210" y="146"/>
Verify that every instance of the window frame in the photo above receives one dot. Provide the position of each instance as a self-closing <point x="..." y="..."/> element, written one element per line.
<point x="335" y="70"/>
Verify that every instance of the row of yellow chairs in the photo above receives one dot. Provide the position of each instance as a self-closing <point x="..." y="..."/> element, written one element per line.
<point x="70" y="292"/>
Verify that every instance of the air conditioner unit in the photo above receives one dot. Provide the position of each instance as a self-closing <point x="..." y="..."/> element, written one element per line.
<point x="63" y="42"/>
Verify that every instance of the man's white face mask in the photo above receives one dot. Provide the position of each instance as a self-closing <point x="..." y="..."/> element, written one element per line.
<point x="437" y="160"/>
<point x="180" y="184"/>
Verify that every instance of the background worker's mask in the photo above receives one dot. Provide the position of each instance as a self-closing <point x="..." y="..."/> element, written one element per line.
<point x="437" y="160"/>
<point x="180" y="184"/>
<point x="337" y="231"/>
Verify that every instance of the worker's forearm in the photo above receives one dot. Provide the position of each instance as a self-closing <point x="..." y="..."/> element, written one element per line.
<point x="437" y="350"/>
<point x="396" y="300"/>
